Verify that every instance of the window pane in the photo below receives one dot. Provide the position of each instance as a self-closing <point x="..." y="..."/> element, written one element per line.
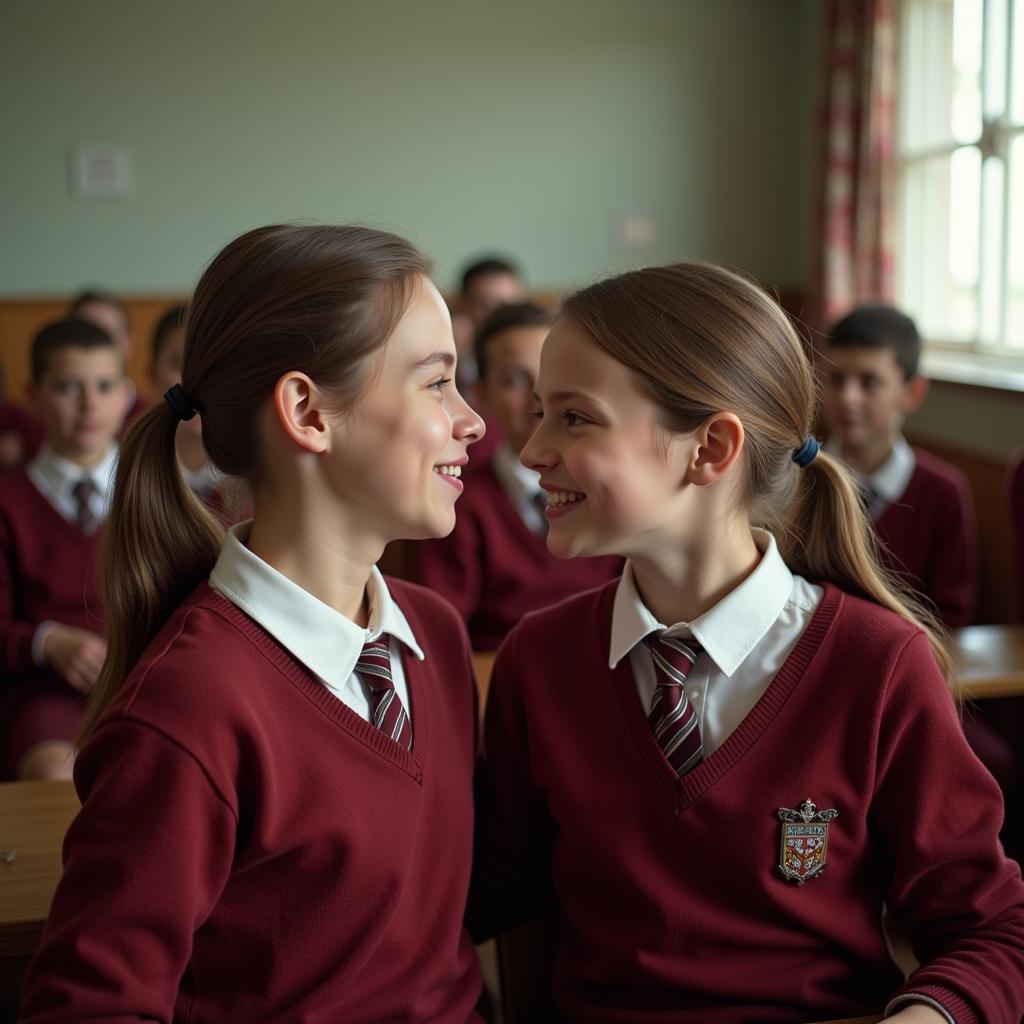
<point x="993" y="202"/>
<point x="1015" y="247"/>
<point x="941" y="72"/>
<point x="940" y="256"/>
<point x="996" y="27"/>
<point x="1017" y="62"/>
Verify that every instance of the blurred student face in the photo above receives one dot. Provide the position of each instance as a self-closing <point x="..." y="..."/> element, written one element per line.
<point x="507" y="388"/>
<point x="486" y="292"/>
<point x="397" y="454"/>
<point x="111" y="320"/>
<point x="610" y="469"/>
<point x="165" y="372"/>
<point x="81" y="400"/>
<point x="865" y="397"/>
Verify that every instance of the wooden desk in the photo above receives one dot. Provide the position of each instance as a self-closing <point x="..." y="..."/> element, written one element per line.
<point x="483" y="665"/>
<point x="990" y="660"/>
<point x="33" y="819"/>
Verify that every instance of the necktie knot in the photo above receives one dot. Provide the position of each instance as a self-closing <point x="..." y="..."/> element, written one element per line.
<point x="673" y="656"/>
<point x="386" y="710"/>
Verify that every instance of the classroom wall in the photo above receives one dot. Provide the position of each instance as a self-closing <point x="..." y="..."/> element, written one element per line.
<point x="533" y="127"/>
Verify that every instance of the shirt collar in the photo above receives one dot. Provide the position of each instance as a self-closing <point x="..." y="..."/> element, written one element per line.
<point x="325" y="641"/>
<point x="62" y="474"/>
<point x="518" y="481"/>
<point x="890" y="480"/>
<point x="730" y="630"/>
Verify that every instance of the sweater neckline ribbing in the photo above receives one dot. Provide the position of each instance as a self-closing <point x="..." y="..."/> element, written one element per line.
<point x="687" y="789"/>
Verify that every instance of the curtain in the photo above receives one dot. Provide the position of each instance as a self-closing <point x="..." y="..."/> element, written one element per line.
<point x="854" y="247"/>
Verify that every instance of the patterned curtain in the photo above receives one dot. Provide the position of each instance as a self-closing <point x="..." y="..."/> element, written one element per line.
<point x="854" y="248"/>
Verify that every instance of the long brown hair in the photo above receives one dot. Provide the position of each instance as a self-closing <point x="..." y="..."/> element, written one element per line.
<point x="319" y="299"/>
<point x="703" y="339"/>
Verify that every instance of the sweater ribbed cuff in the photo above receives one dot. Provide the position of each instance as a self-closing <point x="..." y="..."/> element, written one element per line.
<point x="950" y="1005"/>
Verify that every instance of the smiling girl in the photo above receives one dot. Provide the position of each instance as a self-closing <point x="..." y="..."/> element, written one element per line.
<point x="719" y="768"/>
<point x="276" y="778"/>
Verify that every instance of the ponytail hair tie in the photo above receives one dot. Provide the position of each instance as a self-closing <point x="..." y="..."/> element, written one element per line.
<point x="179" y="403"/>
<point x="804" y="455"/>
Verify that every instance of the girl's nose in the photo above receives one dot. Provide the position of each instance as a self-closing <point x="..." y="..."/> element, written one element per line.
<point x="467" y="424"/>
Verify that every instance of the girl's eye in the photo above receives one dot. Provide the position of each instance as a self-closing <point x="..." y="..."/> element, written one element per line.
<point x="441" y="384"/>
<point x="573" y="419"/>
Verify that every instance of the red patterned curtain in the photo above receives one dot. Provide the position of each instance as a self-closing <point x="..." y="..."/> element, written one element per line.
<point x="854" y="247"/>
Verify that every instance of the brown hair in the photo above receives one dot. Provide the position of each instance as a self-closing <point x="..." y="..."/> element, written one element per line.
<point x="319" y="299"/>
<point x="703" y="339"/>
<point x="70" y="332"/>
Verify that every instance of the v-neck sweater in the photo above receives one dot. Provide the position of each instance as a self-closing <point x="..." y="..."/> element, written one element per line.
<point x="670" y="900"/>
<point x="47" y="572"/>
<point x="493" y="568"/>
<point x="250" y="848"/>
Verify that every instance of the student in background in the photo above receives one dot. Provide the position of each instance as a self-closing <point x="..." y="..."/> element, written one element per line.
<point x="21" y="433"/>
<point x="486" y="284"/>
<point x="276" y="775"/>
<point x="495" y="565"/>
<point x="719" y="769"/>
<point x="111" y="314"/>
<point x="51" y="642"/>
<point x="919" y="505"/>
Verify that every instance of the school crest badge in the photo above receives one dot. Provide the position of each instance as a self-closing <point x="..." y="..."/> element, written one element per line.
<point x="804" y="846"/>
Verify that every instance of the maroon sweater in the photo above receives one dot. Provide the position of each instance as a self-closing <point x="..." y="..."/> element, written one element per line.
<point x="671" y="904"/>
<point x="494" y="569"/>
<point x="250" y="849"/>
<point x="929" y="538"/>
<point x="47" y="571"/>
<point x="20" y="422"/>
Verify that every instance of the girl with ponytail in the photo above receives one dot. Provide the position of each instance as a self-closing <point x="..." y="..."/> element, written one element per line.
<point x="276" y="770"/>
<point x="718" y="769"/>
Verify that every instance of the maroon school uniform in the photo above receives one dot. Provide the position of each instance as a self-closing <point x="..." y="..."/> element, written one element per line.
<point x="929" y="538"/>
<point x="493" y="568"/>
<point x="47" y="572"/>
<point x="24" y="426"/>
<point x="670" y="898"/>
<point x="251" y="849"/>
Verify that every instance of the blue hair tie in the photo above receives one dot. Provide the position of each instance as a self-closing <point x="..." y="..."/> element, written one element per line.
<point x="804" y="455"/>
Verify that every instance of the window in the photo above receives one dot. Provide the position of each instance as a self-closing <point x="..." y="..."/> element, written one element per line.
<point x="961" y="172"/>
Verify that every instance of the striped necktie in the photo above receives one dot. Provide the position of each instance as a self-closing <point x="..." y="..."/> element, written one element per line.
<point x="82" y="493"/>
<point x="386" y="711"/>
<point x="672" y="716"/>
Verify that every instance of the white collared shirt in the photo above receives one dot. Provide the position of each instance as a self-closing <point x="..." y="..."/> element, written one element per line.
<point x="55" y="478"/>
<point x="325" y="641"/>
<point x="521" y="485"/>
<point x="746" y="637"/>
<point x="889" y="482"/>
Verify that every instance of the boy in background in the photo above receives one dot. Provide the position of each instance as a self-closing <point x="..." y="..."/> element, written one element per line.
<point x="920" y="506"/>
<point x="110" y="314"/>
<point x="486" y="285"/>
<point x="495" y="566"/>
<point x="51" y="644"/>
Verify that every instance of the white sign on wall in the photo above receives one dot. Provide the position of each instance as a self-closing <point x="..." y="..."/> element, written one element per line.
<point x="101" y="170"/>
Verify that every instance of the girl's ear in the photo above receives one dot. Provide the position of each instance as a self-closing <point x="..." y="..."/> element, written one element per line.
<point x="718" y="442"/>
<point x="298" y="408"/>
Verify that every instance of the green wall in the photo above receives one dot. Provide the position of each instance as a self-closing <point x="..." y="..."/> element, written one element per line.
<point x="526" y="127"/>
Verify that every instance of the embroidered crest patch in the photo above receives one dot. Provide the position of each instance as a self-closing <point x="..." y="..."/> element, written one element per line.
<point x="804" y="845"/>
